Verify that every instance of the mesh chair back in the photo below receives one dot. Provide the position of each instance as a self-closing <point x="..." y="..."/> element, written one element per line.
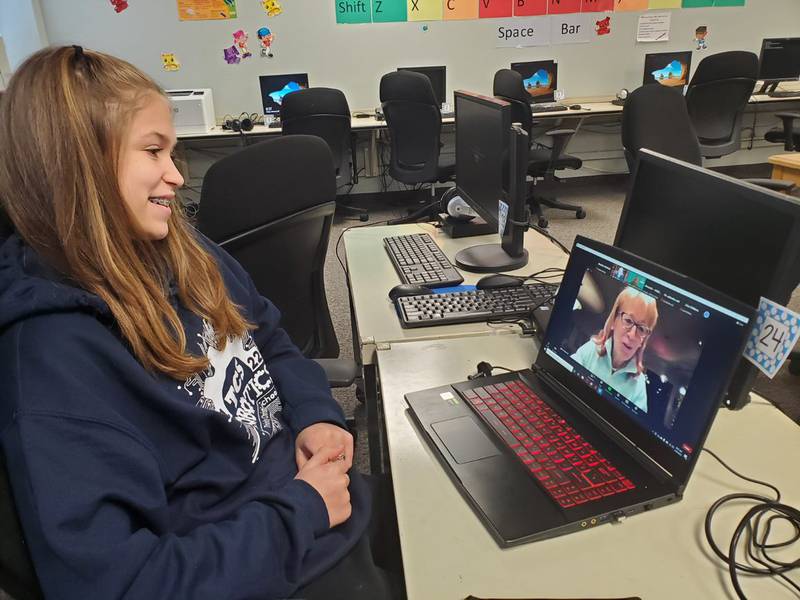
<point x="415" y="124"/>
<point x="322" y="112"/>
<point x="717" y="97"/>
<point x="655" y="117"/>
<point x="508" y="86"/>
<point x="271" y="207"/>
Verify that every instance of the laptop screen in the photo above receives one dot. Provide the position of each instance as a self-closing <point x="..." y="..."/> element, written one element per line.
<point x="642" y="350"/>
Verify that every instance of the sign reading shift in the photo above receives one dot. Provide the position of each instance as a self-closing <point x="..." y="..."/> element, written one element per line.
<point x="542" y="31"/>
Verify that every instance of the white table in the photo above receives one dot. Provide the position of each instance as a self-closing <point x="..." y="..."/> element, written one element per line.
<point x="448" y="554"/>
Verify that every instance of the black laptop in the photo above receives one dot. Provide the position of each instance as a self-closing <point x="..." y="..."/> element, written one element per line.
<point x="610" y="419"/>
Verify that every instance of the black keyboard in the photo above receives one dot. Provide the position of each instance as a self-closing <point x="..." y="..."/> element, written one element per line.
<point x="274" y="125"/>
<point x="418" y="259"/>
<point x="565" y="464"/>
<point x="448" y="115"/>
<point x="540" y="108"/>
<point x="472" y="306"/>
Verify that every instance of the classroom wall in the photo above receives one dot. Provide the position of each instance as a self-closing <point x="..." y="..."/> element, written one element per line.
<point x="22" y="29"/>
<point x="353" y="57"/>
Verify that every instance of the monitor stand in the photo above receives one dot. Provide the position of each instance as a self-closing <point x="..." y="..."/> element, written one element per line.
<point x="489" y="258"/>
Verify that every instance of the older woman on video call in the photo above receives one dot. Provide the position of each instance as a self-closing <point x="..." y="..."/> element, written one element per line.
<point x="614" y="354"/>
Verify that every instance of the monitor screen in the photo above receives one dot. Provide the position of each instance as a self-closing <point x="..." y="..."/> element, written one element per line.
<point x="540" y="78"/>
<point x="438" y="79"/>
<point x="653" y="348"/>
<point x="780" y="59"/>
<point x="667" y="68"/>
<point x="275" y="87"/>
<point x="482" y="126"/>
<point x="737" y="238"/>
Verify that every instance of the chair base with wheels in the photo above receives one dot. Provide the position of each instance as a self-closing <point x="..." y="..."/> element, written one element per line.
<point x="543" y="164"/>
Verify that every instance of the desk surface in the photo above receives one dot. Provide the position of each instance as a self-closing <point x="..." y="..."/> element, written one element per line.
<point x="790" y="161"/>
<point x="448" y="554"/>
<point x="590" y="106"/>
<point x="372" y="275"/>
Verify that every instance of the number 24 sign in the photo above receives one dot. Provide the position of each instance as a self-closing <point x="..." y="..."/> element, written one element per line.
<point x="775" y="332"/>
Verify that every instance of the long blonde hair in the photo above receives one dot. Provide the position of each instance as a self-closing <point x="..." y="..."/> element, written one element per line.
<point x="62" y="121"/>
<point x="626" y="298"/>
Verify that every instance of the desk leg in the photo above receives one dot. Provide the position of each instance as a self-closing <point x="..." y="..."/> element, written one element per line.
<point x="369" y="392"/>
<point x="373" y="409"/>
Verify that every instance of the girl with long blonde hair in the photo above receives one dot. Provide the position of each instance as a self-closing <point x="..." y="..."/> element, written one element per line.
<point x="163" y="436"/>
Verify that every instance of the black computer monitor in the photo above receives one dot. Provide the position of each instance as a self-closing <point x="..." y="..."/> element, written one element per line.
<point x="275" y="87"/>
<point x="491" y="162"/>
<point x="740" y="239"/>
<point x="779" y="61"/>
<point x="540" y="78"/>
<point x="438" y="78"/>
<point x="667" y="68"/>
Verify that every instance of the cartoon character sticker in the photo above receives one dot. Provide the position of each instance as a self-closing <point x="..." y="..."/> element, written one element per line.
<point x="700" y="37"/>
<point x="603" y="26"/>
<point x="240" y="41"/>
<point x="265" y="38"/>
<point x="170" y="62"/>
<point x="272" y="7"/>
<point x="231" y="55"/>
<point x="119" y="5"/>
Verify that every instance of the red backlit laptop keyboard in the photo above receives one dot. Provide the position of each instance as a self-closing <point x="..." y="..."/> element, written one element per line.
<point x="565" y="464"/>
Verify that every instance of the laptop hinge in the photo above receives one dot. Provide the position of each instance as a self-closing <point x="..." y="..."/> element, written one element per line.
<point x="575" y="402"/>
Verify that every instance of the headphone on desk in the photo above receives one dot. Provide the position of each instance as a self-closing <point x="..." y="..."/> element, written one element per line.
<point x="243" y="122"/>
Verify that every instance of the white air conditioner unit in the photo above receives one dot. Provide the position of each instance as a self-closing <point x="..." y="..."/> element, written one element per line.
<point x="192" y="110"/>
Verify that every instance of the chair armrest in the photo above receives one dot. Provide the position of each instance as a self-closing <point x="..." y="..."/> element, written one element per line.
<point x="561" y="132"/>
<point x="341" y="372"/>
<point x="788" y="119"/>
<point x="561" y="138"/>
<point x="779" y="185"/>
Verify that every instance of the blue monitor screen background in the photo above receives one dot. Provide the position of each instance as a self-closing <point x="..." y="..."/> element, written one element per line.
<point x="669" y="68"/>
<point x="275" y="87"/>
<point x="540" y="78"/>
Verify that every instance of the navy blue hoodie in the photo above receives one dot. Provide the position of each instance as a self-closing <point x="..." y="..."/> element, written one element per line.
<point x="134" y="485"/>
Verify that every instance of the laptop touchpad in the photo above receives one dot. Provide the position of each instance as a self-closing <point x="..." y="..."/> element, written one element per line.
<point x="464" y="439"/>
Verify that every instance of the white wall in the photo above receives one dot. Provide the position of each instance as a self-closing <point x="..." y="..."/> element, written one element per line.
<point x="353" y="57"/>
<point x="22" y="29"/>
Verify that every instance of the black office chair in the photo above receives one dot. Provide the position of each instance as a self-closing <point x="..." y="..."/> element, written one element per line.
<point x="717" y="97"/>
<point x="656" y="117"/>
<point x="789" y="134"/>
<point x="414" y="120"/>
<point x="17" y="575"/>
<point x="323" y="112"/>
<point x="271" y="207"/>
<point x="542" y="163"/>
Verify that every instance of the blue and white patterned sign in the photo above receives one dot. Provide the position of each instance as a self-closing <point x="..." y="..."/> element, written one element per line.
<point x="502" y="216"/>
<point x="774" y="335"/>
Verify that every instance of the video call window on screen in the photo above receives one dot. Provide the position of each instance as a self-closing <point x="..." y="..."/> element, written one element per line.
<point x="539" y="77"/>
<point x="667" y="68"/>
<point x="275" y="87"/>
<point x="637" y="343"/>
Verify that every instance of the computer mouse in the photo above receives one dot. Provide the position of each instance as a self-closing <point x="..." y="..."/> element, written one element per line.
<point x="408" y="289"/>
<point x="575" y="107"/>
<point x="498" y="280"/>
